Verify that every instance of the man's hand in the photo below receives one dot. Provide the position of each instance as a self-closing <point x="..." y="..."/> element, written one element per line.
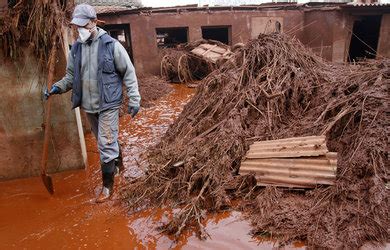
<point x="133" y="110"/>
<point x="54" y="90"/>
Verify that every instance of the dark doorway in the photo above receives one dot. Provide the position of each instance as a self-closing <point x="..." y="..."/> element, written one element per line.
<point x="364" y="40"/>
<point x="12" y="3"/>
<point x="121" y="32"/>
<point x="218" y="33"/>
<point x="170" y="37"/>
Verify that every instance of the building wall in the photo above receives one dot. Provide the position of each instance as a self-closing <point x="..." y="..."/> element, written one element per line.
<point x="3" y="6"/>
<point x="143" y="29"/>
<point x="384" y="37"/>
<point x="21" y="119"/>
<point x="328" y="34"/>
<point x="326" y="31"/>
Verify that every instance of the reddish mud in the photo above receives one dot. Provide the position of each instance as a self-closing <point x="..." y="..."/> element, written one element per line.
<point x="30" y="218"/>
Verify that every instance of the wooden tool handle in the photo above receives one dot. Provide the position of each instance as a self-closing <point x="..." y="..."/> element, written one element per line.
<point x="50" y="76"/>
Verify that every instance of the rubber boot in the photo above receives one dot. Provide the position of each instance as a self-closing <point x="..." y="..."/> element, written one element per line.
<point x="108" y="173"/>
<point x="119" y="162"/>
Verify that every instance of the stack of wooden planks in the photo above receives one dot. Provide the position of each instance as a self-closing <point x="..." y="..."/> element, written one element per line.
<point x="299" y="162"/>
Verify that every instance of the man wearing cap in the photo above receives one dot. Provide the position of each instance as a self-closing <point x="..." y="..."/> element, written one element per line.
<point x="97" y="66"/>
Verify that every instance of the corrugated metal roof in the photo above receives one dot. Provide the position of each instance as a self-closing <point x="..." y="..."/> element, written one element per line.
<point x="291" y="147"/>
<point x="292" y="172"/>
<point x="292" y="162"/>
<point x="212" y="52"/>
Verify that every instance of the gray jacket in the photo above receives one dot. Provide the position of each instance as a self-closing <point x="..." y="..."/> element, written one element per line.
<point x="89" y="74"/>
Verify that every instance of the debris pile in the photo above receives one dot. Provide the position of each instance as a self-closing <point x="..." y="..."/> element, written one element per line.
<point x="151" y="88"/>
<point x="274" y="88"/>
<point x="189" y="62"/>
<point x="37" y="24"/>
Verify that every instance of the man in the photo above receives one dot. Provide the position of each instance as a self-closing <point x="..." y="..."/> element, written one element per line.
<point x="97" y="66"/>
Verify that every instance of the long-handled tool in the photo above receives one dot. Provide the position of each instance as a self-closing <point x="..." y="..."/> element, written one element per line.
<point x="47" y="180"/>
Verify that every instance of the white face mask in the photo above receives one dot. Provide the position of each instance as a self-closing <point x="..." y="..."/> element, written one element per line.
<point x="84" y="34"/>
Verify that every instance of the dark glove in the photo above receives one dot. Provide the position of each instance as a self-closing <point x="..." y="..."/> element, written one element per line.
<point x="54" y="90"/>
<point x="133" y="110"/>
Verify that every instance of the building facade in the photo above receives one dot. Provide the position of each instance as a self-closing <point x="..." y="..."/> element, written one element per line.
<point x="338" y="32"/>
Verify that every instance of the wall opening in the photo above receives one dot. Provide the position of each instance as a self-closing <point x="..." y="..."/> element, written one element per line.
<point x="218" y="33"/>
<point x="170" y="37"/>
<point x="364" y="40"/>
<point x="12" y="3"/>
<point x="121" y="32"/>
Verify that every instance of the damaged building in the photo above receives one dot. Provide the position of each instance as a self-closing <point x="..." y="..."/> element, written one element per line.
<point x="264" y="145"/>
<point x="339" y="32"/>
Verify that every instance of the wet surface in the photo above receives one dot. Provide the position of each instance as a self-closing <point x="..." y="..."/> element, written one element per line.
<point x="31" y="219"/>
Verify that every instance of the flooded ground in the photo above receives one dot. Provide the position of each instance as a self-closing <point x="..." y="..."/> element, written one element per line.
<point x="31" y="219"/>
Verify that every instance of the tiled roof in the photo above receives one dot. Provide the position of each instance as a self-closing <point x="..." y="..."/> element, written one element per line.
<point x="111" y="9"/>
<point x="265" y="6"/>
<point x="368" y="4"/>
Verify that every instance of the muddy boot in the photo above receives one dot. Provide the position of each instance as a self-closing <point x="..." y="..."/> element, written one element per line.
<point x="119" y="162"/>
<point x="108" y="173"/>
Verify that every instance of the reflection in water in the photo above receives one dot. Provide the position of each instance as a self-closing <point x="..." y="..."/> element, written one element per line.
<point x="30" y="218"/>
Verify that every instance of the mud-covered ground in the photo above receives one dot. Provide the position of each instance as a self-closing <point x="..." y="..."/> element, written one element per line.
<point x="151" y="88"/>
<point x="30" y="218"/>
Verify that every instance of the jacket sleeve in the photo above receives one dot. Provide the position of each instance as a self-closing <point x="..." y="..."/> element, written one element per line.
<point x="65" y="84"/>
<point x="124" y="66"/>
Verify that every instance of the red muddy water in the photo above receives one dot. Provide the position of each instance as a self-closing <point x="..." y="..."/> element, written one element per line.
<point x="31" y="219"/>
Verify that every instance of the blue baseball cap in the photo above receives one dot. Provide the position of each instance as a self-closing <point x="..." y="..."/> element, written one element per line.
<point x="82" y="14"/>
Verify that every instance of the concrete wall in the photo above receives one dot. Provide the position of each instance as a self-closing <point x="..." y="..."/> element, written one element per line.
<point x="3" y="6"/>
<point x="384" y="37"/>
<point x="143" y="29"/>
<point x="328" y="34"/>
<point x="21" y="119"/>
